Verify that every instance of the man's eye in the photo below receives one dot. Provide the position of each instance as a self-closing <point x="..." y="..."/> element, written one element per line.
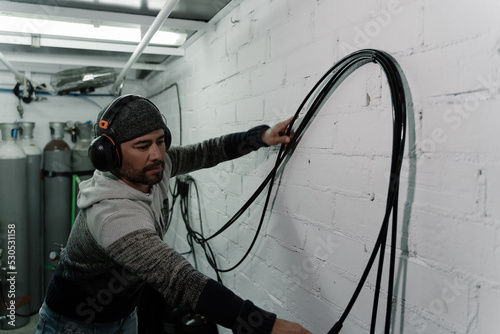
<point x="160" y="142"/>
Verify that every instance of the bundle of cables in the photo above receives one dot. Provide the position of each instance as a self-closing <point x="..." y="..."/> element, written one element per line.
<point x="313" y="102"/>
<point x="181" y="191"/>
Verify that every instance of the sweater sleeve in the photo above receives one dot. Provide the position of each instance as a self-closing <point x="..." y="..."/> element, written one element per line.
<point x="213" y="151"/>
<point x="222" y="306"/>
<point x="241" y="143"/>
<point x="145" y="255"/>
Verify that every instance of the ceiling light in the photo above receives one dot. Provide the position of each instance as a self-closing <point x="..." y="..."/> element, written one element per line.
<point x="86" y="30"/>
<point x="135" y="4"/>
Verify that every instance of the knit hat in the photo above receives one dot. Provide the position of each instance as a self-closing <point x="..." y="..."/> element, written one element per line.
<point x="129" y="117"/>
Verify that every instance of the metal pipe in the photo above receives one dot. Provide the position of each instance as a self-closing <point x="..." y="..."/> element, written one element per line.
<point x="155" y="26"/>
<point x="21" y="77"/>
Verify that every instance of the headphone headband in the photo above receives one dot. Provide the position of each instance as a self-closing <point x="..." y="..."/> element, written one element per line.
<point x="113" y="108"/>
<point x="104" y="151"/>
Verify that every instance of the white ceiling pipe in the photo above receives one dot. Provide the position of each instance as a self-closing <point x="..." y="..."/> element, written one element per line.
<point x="155" y="26"/>
<point x="21" y="77"/>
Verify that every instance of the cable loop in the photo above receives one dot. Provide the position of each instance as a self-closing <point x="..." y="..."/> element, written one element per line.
<point x="319" y="94"/>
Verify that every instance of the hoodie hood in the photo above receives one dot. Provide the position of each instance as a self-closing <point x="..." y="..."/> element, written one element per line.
<point x="106" y="186"/>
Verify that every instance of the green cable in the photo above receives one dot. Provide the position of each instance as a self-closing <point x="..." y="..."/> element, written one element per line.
<point x="75" y="183"/>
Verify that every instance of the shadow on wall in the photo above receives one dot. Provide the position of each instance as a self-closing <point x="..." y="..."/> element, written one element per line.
<point x="401" y="276"/>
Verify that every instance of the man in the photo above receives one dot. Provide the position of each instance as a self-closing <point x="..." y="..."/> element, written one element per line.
<point x="116" y="246"/>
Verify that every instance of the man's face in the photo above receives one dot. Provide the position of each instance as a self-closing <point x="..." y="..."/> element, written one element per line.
<point x="143" y="160"/>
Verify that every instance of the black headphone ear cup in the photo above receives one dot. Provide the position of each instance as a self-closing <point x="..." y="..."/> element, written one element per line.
<point x="168" y="138"/>
<point x="104" y="154"/>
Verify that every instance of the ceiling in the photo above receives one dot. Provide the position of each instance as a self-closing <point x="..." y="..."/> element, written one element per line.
<point x="30" y="53"/>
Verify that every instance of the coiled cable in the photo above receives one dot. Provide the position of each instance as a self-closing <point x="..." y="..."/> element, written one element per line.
<point x="315" y="99"/>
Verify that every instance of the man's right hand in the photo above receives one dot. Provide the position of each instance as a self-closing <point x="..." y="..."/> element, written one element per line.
<point x="286" y="327"/>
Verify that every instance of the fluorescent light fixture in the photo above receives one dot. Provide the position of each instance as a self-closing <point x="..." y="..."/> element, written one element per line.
<point x="11" y="39"/>
<point x="155" y="4"/>
<point x="88" y="31"/>
<point x="135" y="4"/>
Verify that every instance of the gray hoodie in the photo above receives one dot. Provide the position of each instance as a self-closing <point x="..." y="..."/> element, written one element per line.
<point x="116" y="245"/>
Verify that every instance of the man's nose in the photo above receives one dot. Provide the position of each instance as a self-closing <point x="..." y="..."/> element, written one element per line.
<point x="155" y="152"/>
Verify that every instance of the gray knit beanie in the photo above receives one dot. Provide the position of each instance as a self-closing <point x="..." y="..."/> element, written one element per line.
<point x="129" y="117"/>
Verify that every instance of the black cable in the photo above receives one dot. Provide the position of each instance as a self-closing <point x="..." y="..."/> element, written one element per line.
<point x="333" y="79"/>
<point x="183" y="190"/>
<point x="176" y="86"/>
<point x="319" y="94"/>
<point x="399" y="127"/>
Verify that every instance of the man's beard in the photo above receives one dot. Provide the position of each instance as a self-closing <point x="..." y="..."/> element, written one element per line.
<point x="141" y="177"/>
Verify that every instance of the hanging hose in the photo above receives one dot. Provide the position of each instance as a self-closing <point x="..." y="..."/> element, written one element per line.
<point x="316" y="98"/>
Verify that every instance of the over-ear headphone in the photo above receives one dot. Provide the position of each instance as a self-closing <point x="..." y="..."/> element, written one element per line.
<point x="104" y="152"/>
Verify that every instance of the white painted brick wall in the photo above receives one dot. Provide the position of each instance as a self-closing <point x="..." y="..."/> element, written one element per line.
<point x="325" y="214"/>
<point x="489" y="304"/>
<point x="441" y="238"/>
<point x="326" y="210"/>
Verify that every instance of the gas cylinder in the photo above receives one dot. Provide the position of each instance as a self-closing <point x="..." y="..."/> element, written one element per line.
<point x="34" y="205"/>
<point x="13" y="230"/>
<point x="56" y="198"/>
<point x="82" y="167"/>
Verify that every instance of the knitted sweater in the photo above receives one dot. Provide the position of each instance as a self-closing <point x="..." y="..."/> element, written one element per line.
<point x="116" y="245"/>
